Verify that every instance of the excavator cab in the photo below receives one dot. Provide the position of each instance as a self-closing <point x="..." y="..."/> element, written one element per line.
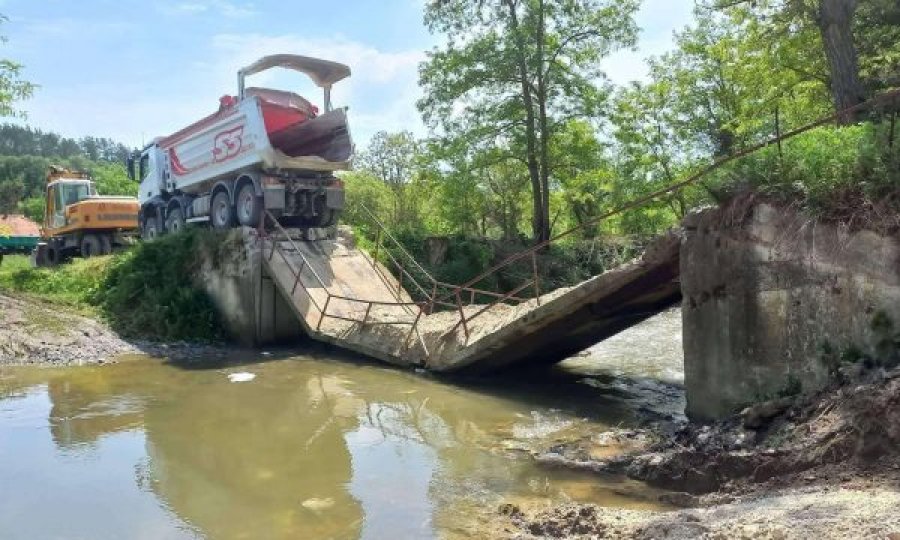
<point x="61" y="194"/>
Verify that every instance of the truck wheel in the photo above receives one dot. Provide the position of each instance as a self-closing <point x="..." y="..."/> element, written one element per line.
<point x="221" y="212"/>
<point x="248" y="206"/>
<point x="91" y="246"/>
<point x="150" y="230"/>
<point x="326" y="218"/>
<point x="175" y="220"/>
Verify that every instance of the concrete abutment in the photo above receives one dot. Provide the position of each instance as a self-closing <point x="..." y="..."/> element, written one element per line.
<point x="774" y="301"/>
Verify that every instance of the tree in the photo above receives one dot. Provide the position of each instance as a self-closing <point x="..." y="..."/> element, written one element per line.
<point x="12" y="87"/>
<point x="10" y="194"/>
<point x="513" y="71"/>
<point x="858" y="43"/>
<point x="391" y="157"/>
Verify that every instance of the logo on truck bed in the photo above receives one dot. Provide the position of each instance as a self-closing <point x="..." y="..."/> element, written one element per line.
<point x="228" y="144"/>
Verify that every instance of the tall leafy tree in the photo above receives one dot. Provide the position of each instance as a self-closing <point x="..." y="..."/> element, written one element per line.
<point x="391" y="157"/>
<point x="513" y="71"/>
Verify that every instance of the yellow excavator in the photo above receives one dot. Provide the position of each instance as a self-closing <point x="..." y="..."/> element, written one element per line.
<point x="79" y="222"/>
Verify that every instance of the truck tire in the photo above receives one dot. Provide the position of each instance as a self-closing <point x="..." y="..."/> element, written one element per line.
<point x="221" y="213"/>
<point x="91" y="246"/>
<point x="150" y="229"/>
<point x="175" y="220"/>
<point x="248" y="206"/>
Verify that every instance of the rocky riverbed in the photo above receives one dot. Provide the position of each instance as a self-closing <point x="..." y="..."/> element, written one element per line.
<point x="823" y="466"/>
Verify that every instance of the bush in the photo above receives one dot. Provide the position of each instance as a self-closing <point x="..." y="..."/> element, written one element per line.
<point x="70" y="284"/>
<point x="148" y="291"/>
<point x="819" y="168"/>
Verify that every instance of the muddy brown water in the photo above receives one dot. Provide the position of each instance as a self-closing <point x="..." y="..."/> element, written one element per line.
<point x="312" y="447"/>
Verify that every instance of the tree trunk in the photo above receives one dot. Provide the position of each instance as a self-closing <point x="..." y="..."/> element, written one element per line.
<point x="835" y="20"/>
<point x="544" y="233"/>
<point x="538" y="222"/>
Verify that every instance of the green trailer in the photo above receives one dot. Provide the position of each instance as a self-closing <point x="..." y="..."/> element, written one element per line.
<point x="17" y="244"/>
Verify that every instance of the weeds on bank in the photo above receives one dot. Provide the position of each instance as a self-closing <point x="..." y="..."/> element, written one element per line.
<point x="848" y="174"/>
<point x="147" y="291"/>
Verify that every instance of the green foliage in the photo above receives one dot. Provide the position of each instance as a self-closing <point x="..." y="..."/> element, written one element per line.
<point x="816" y="166"/>
<point x="887" y="345"/>
<point x="33" y="208"/>
<point x="70" y="284"/>
<point x="12" y="87"/>
<point x="112" y="179"/>
<point x="792" y="387"/>
<point x="511" y="74"/>
<point x="147" y="291"/>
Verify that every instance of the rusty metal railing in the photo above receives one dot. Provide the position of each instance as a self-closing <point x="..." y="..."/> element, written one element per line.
<point x="454" y="294"/>
<point x="319" y="284"/>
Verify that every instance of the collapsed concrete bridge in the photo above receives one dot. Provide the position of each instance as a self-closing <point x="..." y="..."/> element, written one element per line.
<point x="336" y="293"/>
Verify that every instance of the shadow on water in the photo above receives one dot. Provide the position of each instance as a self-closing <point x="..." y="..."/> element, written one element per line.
<point x="592" y="394"/>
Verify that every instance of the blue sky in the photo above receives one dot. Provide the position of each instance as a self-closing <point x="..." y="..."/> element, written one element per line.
<point x="132" y="70"/>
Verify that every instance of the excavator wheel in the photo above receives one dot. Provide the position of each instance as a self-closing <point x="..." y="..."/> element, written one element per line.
<point x="54" y="256"/>
<point x="39" y="256"/>
<point x="91" y="246"/>
<point x="105" y="244"/>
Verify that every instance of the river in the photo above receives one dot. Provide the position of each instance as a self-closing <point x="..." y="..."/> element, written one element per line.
<point x="314" y="445"/>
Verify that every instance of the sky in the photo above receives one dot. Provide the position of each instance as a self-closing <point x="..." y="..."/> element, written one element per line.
<point x="133" y="70"/>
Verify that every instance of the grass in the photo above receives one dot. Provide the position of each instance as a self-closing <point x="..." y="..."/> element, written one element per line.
<point x="848" y="174"/>
<point x="67" y="285"/>
<point x="147" y="291"/>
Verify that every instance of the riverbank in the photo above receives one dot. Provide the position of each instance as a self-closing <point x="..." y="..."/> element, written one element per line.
<point x="825" y="466"/>
<point x="41" y="332"/>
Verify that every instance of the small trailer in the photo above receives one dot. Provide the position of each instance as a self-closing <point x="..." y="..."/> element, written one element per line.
<point x="10" y="245"/>
<point x="263" y="150"/>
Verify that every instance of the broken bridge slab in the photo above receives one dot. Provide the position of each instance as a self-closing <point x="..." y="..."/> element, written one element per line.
<point x="368" y="311"/>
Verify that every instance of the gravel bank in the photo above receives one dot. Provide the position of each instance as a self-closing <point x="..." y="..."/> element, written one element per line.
<point x="36" y="332"/>
<point x="800" y="513"/>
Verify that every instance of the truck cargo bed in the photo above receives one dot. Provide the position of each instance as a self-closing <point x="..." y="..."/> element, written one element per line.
<point x="326" y="136"/>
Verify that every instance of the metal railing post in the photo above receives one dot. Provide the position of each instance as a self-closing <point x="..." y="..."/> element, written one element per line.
<point x="324" y="312"/>
<point x="462" y="315"/>
<point x="537" y="286"/>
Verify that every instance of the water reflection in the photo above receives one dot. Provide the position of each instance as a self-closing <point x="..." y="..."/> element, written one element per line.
<point x="308" y="449"/>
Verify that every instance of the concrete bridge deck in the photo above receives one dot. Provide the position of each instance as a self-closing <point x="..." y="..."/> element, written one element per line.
<point x="340" y="295"/>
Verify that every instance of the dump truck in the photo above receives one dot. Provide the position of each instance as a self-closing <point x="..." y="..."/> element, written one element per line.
<point x="263" y="150"/>
<point x="80" y="222"/>
<point x="18" y="235"/>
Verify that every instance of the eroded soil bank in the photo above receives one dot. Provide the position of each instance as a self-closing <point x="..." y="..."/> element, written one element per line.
<point x="40" y="332"/>
<point x="823" y="466"/>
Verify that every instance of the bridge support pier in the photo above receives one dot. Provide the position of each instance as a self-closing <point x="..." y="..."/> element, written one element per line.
<point x="244" y="294"/>
<point x="773" y="302"/>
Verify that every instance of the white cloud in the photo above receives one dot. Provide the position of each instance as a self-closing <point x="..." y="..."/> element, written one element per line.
<point x="231" y="10"/>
